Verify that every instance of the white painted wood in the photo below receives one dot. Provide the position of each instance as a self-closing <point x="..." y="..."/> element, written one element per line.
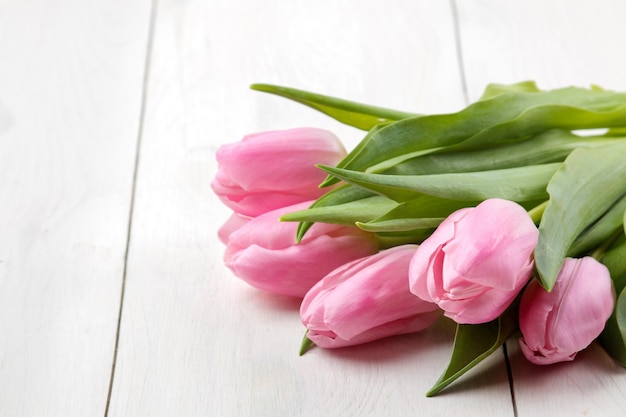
<point x="555" y="42"/>
<point x="194" y="339"/>
<point x="70" y="94"/>
<point x="558" y="43"/>
<point x="591" y="385"/>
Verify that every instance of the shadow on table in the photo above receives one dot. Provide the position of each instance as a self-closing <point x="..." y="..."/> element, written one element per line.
<point x="437" y="337"/>
<point x="588" y="372"/>
<point x="267" y="301"/>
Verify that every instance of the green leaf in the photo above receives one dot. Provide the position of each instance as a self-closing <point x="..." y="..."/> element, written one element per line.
<point x="423" y="212"/>
<point x="329" y="180"/>
<point x="612" y="338"/>
<point x="361" y="116"/>
<point x="406" y="224"/>
<point x="426" y="206"/>
<point x="600" y="231"/>
<point x="493" y="90"/>
<point x="505" y="117"/>
<point x="517" y="184"/>
<point x="620" y="315"/>
<point x="473" y="343"/>
<point x="547" y="147"/>
<point x="586" y="185"/>
<point x="306" y="344"/>
<point x="362" y="210"/>
<point x="615" y="260"/>
<point x="340" y="195"/>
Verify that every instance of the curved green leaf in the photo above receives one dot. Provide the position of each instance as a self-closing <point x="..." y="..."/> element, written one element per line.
<point x="620" y="315"/>
<point x="547" y="147"/>
<point x="330" y="180"/>
<point x="306" y="344"/>
<point x="517" y="184"/>
<point x="405" y="224"/>
<point x="586" y="185"/>
<point x="612" y="338"/>
<point x="505" y="117"/>
<point x="426" y="206"/>
<point x="423" y="212"/>
<point x="473" y="343"/>
<point x="615" y="260"/>
<point x="495" y="89"/>
<point x="362" y="210"/>
<point x="361" y="116"/>
<point x="340" y="195"/>
<point x="600" y="231"/>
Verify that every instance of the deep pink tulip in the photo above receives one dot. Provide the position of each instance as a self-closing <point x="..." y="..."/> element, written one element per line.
<point x="556" y="325"/>
<point x="365" y="300"/>
<point x="476" y="262"/>
<point x="263" y="251"/>
<point x="269" y="170"/>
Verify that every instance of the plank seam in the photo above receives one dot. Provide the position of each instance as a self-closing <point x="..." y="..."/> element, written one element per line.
<point x="459" y="49"/>
<point x="131" y="209"/>
<point x="460" y="60"/>
<point x="509" y="373"/>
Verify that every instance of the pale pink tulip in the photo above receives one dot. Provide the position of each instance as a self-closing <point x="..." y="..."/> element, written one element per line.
<point x="274" y="169"/>
<point x="365" y="300"/>
<point x="556" y="325"/>
<point x="476" y="262"/>
<point x="264" y="253"/>
<point x="234" y="223"/>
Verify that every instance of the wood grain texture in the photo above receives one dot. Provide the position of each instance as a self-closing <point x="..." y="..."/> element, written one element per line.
<point x="557" y="43"/>
<point x="194" y="339"/>
<point x="70" y="93"/>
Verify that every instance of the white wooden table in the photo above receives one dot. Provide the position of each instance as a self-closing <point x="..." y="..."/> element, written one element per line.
<point x="113" y="297"/>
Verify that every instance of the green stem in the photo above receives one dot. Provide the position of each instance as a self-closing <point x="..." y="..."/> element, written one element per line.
<point x="537" y="212"/>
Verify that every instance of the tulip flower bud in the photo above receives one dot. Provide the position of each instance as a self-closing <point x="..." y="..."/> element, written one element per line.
<point x="234" y="223"/>
<point x="558" y="324"/>
<point x="263" y="251"/>
<point x="365" y="300"/>
<point x="476" y="262"/>
<point x="269" y="170"/>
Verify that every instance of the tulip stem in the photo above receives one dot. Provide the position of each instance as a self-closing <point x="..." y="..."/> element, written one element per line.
<point x="306" y="344"/>
<point x="537" y="212"/>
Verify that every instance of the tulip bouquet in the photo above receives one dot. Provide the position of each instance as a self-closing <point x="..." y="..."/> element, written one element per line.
<point x="506" y="217"/>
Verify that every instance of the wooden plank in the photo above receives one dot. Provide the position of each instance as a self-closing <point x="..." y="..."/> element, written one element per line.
<point x="194" y="339"/>
<point x="70" y="94"/>
<point x="557" y="43"/>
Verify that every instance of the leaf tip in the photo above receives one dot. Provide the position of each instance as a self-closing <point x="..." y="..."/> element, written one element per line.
<point x="330" y="179"/>
<point x="303" y="227"/>
<point x="306" y="345"/>
<point x="260" y="87"/>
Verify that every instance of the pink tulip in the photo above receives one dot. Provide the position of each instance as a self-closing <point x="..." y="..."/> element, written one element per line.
<point x="269" y="170"/>
<point x="263" y="251"/>
<point x="365" y="300"/>
<point x="476" y="262"/>
<point x="234" y="223"/>
<point x="556" y="325"/>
